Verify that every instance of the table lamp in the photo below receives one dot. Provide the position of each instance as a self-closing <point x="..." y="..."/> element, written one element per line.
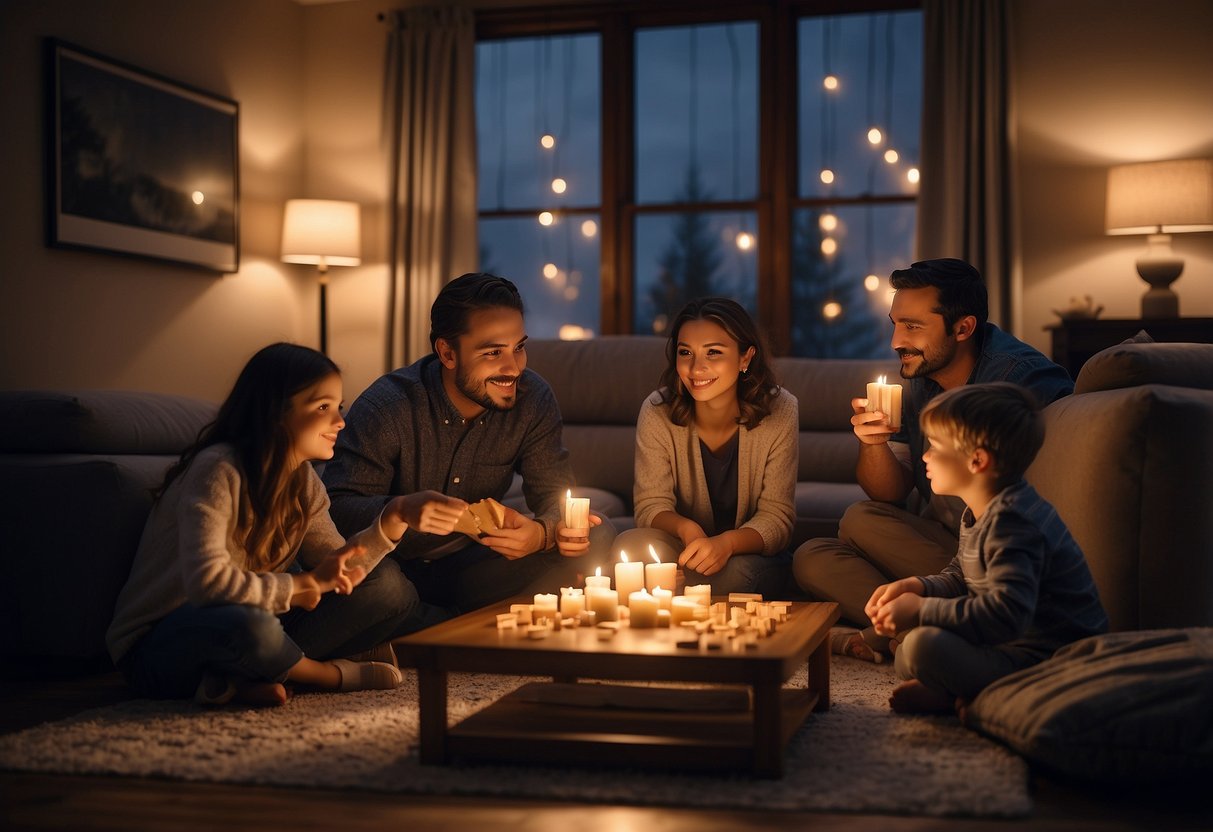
<point x="323" y="233"/>
<point x="1160" y="199"/>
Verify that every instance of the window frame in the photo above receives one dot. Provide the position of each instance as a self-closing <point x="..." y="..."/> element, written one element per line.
<point x="777" y="196"/>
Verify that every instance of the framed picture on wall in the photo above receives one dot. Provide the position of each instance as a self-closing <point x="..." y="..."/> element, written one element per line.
<point x="138" y="164"/>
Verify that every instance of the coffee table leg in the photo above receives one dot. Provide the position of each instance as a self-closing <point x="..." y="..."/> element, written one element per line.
<point x="819" y="674"/>
<point x="431" y="688"/>
<point x="768" y="745"/>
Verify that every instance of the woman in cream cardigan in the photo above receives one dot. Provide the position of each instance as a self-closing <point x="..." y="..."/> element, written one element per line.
<point x="716" y="457"/>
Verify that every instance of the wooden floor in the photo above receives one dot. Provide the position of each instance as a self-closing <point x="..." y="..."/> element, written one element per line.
<point x="43" y="802"/>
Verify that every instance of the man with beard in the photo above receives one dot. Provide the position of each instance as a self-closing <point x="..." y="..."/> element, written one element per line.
<point x="944" y="341"/>
<point x="450" y="430"/>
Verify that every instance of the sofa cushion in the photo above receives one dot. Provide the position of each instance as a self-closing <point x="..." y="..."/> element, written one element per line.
<point x="100" y="421"/>
<point x="601" y="381"/>
<point x="1120" y="707"/>
<point x="1133" y="364"/>
<point x="1118" y="466"/>
<point x="72" y="524"/>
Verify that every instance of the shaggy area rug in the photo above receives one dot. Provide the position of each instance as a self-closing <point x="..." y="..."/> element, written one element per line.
<point x="856" y="757"/>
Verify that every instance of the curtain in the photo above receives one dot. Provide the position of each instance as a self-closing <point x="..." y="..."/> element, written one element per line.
<point x="429" y="120"/>
<point x="967" y="198"/>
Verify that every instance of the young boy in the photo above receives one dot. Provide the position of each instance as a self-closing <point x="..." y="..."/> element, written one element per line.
<point x="1018" y="588"/>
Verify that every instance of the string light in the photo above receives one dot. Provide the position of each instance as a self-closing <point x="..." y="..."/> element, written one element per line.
<point x="547" y="141"/>
<point x="829" y="246"/>
<point x="871" y="283"/>
<point x="589" y="228"/>
<point x="559" y="185"/>
<point x="912" y="176"/>
<point x="832" y="309"/>
<point x="830" y="82"/>
<point x="550" y="271"/>
<point x="891" y="156"/>
<point x="828" y="222"/>
<point x="745" y="241"/>
<point x="875" y="137"/>
<point x="546" y="218"/>
<point x="827" y="176"/>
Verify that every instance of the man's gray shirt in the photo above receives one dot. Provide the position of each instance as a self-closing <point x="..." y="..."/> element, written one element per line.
<point x="404" y="435"/>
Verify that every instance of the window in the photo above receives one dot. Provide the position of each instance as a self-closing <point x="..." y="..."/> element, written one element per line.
<point x="631" y="160"/>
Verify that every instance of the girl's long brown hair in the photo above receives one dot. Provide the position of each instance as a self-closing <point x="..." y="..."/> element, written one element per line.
<point x="272" y="513"/>
<point x="756" y="389"/>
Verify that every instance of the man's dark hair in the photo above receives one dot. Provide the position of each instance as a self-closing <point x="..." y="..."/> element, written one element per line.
<point x="961" y="288"/>
<point x="463" y="296"/>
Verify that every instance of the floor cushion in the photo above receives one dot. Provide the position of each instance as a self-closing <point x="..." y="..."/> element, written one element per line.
<point x="1130" y="706"/>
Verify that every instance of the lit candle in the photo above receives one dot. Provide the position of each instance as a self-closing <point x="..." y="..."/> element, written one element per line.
<point x="643" y="607"/>
<point x="659" y="574"/>
<point x="598" y="580"/>
<point x="604" y="603"/>
<point x="663" y="596"/>
<point x="701" y="594"/>
<point x="576" y="518"/>
<point x="572" y="601"/>
<point x="544" y="607"/>
<point x="629" y="577"/>
<point x="682" y="609"/>
<point x="886" y="399"/>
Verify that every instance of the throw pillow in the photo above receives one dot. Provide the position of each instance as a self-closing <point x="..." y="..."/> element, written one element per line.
<point x="1119" y="707"/>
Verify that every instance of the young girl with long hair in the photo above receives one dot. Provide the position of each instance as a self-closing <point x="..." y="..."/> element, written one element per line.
<point x="716" y="457"/>
<point x="228" y="596"/>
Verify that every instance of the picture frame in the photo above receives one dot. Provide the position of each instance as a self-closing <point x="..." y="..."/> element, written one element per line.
<point x="138" y="164"/>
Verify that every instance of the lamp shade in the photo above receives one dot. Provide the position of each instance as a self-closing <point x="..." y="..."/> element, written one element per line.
<point x="322" y="231"/>
<point x="1168" y="197"/>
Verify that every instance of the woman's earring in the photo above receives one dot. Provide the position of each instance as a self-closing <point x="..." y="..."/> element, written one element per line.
<point x="745" y="370"/>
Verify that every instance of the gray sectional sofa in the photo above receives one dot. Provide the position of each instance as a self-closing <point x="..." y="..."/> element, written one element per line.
<point x="1128" y="462"/>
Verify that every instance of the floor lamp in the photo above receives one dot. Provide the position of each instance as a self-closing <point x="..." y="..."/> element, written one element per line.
<point x="322" y="233"/>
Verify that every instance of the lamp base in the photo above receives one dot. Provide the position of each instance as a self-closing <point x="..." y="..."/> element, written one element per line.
<point x="1159" y="267"/>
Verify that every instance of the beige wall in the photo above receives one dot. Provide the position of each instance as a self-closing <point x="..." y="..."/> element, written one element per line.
<point x="82" y="319"/>
<point x="1101" y="81"/>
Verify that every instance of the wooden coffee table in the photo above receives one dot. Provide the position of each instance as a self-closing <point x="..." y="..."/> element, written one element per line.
<point x="739" y="717"/>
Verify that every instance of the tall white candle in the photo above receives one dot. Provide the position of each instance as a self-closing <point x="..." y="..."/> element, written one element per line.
<point x="629" y="577"/>
<point x="643" y="608"/>
<point x="659" y="574"/>
<point x="886" y="399"/>
<point x="701" y="593"/>
<point x="576" y="518"/>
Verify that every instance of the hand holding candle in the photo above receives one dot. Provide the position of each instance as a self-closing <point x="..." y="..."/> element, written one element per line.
<point x="886" y="399"/>
<point x="576" y="519"/>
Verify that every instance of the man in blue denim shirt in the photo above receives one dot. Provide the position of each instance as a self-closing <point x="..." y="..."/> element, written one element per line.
<point x="944" y="341"/>
<point x="451" y="429"/>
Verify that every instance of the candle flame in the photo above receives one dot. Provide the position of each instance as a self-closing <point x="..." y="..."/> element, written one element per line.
<point x="653" y="552"/>
<point x="568" y="495"/>
<point x="880" y="379"/>
<point x="598" y="572"/>
<point x="623" y="556"/>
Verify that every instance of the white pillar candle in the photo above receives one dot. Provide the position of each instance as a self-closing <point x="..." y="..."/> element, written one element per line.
<point x="604" y="603"/>
<point x="629" y="577"/>
<point x="664" y="597"/>
<point x="544" y="607"/>
<point x="597" y="580"/>
<point x="572" y="601"/>
<point x="702" y="593"/>
<point x="663" y="618"/>
<point x="886" y="399"/>
<point x="643" y="607"/>
<point x="659" y="574"/>
<point x="576" y="518"/>
<point x="682" y="609"/>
